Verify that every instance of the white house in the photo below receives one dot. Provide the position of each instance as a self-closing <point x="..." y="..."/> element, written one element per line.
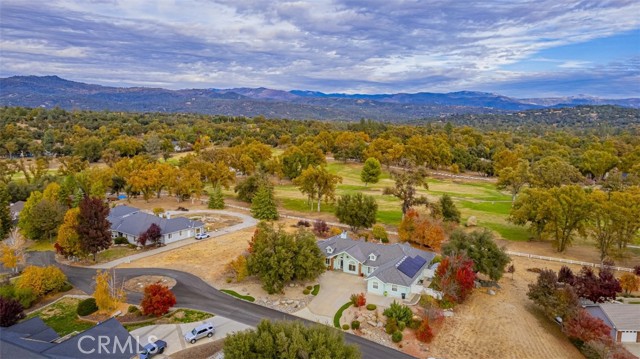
<point x="130" y="222"/>
<point x="623" y="319"/>
<point x="395" y="270"/>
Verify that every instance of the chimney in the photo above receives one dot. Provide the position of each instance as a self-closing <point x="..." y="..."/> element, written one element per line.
<point x="343" y="235"/>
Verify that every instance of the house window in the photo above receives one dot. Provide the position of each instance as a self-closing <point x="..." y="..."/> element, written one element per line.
<point x="329" y="250"/>
<point x="180" y="233"/>
<point x="327" y="261"/>
<point x="394" y="288"/>
<point x="375" y="285"/>
<point x="169" y="235"/>
<point x="372" y="257"/>
<point x="352" y="267"/>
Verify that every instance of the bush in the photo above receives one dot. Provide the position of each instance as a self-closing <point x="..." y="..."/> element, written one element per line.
<point x="10" y="312"/>
<point x="396" y="337"/>
<point x="358" y="300"/>
<point x="23" y="295"/>
<point x="380" y="233"/>
<point x="306" y="292"/>
<point x="303" y="223"/>
<point x="309" y="287"/>
<point x="334" y="231"/>
<point x="133" y="309"/>
<point x="391" y="326"/>
<point x="87" y="306"/>
<point x="120" y="240"/>
<point x="385" y="240"/>
<point x="399" y="312"/>
<point x="371" y="306"/>
<point x="320" y="228"/>
<point x="415" y="323"/>
<point x="401" y="325"/>
<point x="355" y="325"/>
<point x="424" y="332"/>
<point x="42" y="280"/>
<point x="66" y="287"/>
<point x="345" y="327"/>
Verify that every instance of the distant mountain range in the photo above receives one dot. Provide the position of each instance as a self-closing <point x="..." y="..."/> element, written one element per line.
<point x="51" y="91"/>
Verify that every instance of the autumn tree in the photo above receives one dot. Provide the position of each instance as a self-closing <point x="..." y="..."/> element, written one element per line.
<point x="482" y="249"/>
<point x="186" y="183"/>
<point x="42" y="280"/>
<point x="421" y="229"/>
<point x="157" y="300"/>
<point x="514" y="178"/>
<point x="93" y="227"/>
<point x="565" y="275"/>
<point x="555" y="300"/>
<point x="405" y="188"/>
<point x="357" y="211"/>
<point x="278" y="257"/>
<point x="320" y="228"/>
<point x="317" y="183"/>
<point x="553" y="171"/>
<point x="455" y="278"/>
<point x="238" y="268"/>
<point x="380" y="233"/>
<point x="40" y="217"/>
<point x="107" y="294"/>
<point x="629" y="283"/>
<point x="597" y="289"/>
<point x="263" y="204"/>
<point x="216" y="199"/>
<point x="152" y="235"/>
<point x="585" y="328"/>
<point x="596" y="163"/>
<point x="371" y="171"/>
<point x="448" y="209"/>
<point x="68" y="241"/>
<point x="26" y="225"/>
<point x="12" y="251"/>
<point x="529" y="208"/>
<point x="424" y="333"/>
<point x="248" y="187"/>
<point x="296" y="159"/>
<point x="11" y="312"/>
<point x="266" y="341"/>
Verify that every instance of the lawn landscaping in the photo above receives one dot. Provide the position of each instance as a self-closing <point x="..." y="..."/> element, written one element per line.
<point x="238" y="295"/>
<point x="316" y="289"/>
<point x="61" y="316"/>
<point x="40" y="246"/>
<point x="336" y="318"/>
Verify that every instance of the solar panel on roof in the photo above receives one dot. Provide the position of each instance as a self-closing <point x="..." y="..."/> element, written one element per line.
<point x="411" y="265"/>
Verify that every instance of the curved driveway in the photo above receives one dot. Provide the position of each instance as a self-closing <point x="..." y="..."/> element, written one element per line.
<point x="193" y="292"/>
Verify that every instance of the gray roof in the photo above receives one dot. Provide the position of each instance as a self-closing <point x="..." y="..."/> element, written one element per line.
<point x="389" y="257"/>
<point x="131" y="221"/>
<point x="33" y="339"/>
<point x="622" y="316"/>
<point x="16" y="208"/>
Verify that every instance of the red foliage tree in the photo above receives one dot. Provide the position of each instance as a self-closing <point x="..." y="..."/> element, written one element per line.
<point x="94" y="230"/>
<point x="11" y="311"/>
<point x="597" y="288"/>
<point x="636" y="270"/>
<point x="157" y="299"/>
<point x="585" y="327"/>
<point x="455" y="277"/>
<point x="358" y="300"/>
<point x="424" y="333"/>
<point x="565" y="275"/>
<point x="151" y="235"/>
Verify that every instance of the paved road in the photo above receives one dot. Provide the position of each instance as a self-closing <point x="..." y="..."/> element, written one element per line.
<point x="193" y="292"/>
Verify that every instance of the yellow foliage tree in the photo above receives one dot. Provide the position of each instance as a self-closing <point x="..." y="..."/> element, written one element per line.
<point x="107" y="295"/>
<point x="12" y="250"/>
<point x="42" y="280"/>
<point x="68" y="241"/>
<point x="629" y="283"/>
<point x="239" y="268"/>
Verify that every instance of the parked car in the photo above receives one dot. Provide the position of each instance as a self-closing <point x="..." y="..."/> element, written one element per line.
<point x="201" y="331"/>
<point x="202" y="235"/>
<point x="152" y="349"/>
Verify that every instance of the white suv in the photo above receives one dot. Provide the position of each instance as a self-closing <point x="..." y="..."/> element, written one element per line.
<point x="201" y="331"/>
<point x="202" y="235"/>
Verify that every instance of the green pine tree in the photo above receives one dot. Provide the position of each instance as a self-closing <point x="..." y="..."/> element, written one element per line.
<point x="263" y="205"/>
<point x="216" y="200"/>
<point x="371" y="171"/>
<point x="448" y="209"/>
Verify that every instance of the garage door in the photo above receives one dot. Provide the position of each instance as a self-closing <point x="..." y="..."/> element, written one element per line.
<point x="629" y="336"/>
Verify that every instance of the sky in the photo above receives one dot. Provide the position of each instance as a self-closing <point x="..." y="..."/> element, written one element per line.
<point x="532" y="48"/>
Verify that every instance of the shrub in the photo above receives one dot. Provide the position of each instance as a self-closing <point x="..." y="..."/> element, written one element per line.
<point x="334" y="231"/>
<point x="401" y="325"/>
<point x="436" y="259"/>
<point x="42" y="280"/>
<point x="309" y="287"/>
<point x="355" y="325"/>
<point x="380" y="233"/>
<point x="415" y="323"/>
<point x="238" y="267"/>
<point x="25" y="296"/>
<point x="303" y="223"/>
<point x="120" y="240"/>
<point x="358" y="300"/>
<point x="11" y="311"/>
<point x="320" y="228"/>
<point x="399" y="312"/>
<point x="345" y="327"/>
<point x="66" y="287"/>
<point x="396" y="337"/>
<point x="371" y="306"/>
<point x="86" y="307"/>
<point x="133" y="309"/>
<point x="391" y="326"/>
<point x="424" y="332"/>
<point x="157" y="299"/>
<point x="306" y="292"/>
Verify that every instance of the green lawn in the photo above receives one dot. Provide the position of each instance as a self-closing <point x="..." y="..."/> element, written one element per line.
<point x="61" y="317"/>
<point x="238" y="295"/>
<point x="114" y="253"/>
<point x="40" y="246"/>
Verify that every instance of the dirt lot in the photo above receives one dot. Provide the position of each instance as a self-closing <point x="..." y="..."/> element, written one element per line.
<point x="506" y="325"/>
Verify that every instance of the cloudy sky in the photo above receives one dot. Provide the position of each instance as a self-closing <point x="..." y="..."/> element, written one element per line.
<point x="530" y="48"/>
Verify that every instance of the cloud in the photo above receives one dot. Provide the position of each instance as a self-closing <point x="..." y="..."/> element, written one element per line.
<point x="341" y="45"/>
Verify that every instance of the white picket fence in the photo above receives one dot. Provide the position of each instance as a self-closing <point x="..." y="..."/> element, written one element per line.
<point x="568" y="261"/>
